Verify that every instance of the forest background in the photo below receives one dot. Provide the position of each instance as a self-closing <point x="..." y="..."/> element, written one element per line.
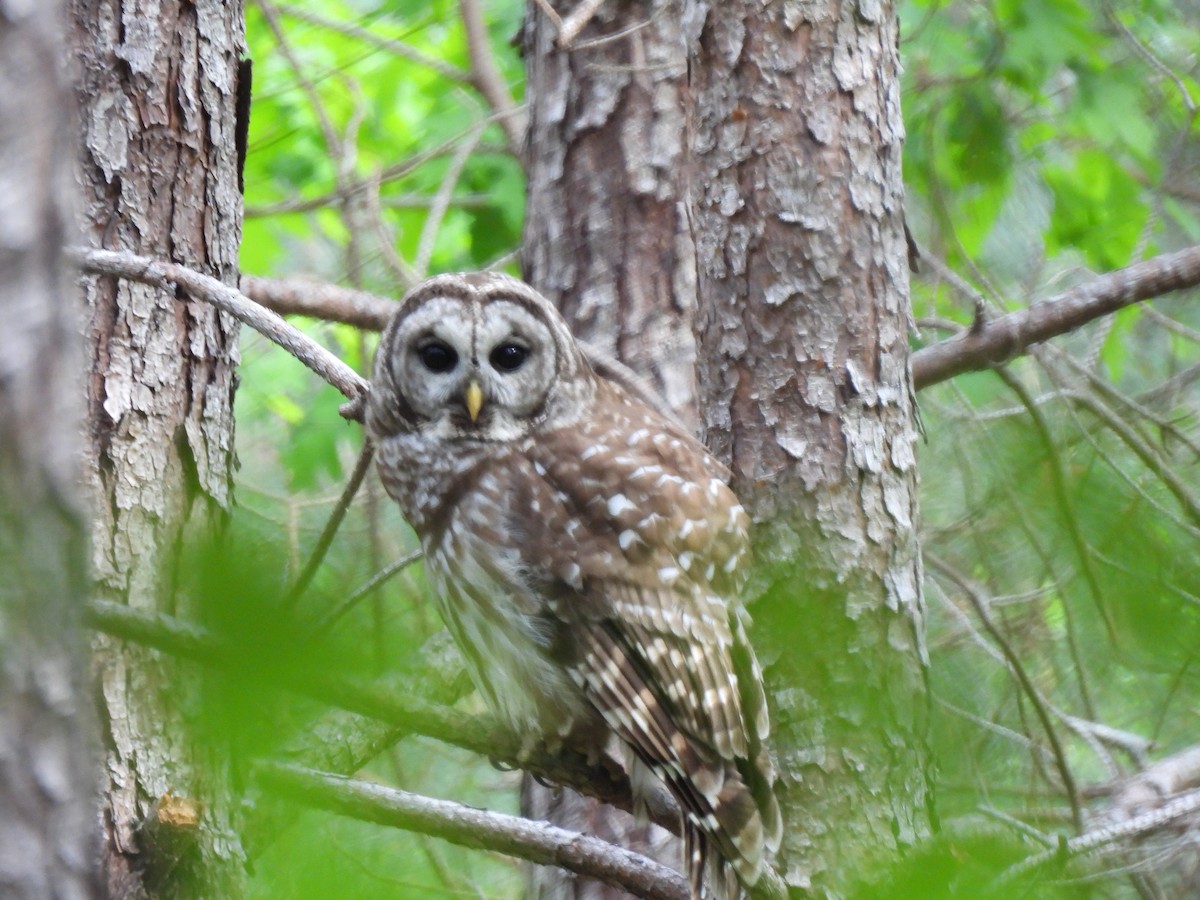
<point x="1059" y="490"/>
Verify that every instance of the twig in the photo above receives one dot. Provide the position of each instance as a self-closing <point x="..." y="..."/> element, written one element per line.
<point x="399" y="48"/>
<point x="1145" y="452"/>
<point x="1176" y="808"/>
<point x="551" y="14"/>
<point x="1010" y="335"/>
<point x="486" y="78"/>
<point x="179" y="280"/>
<point x="479" y="829"/>
<point x="1058" y="481"/>
<point x="1014" y="661"/>
<point x="391" y="571"/>
<point x="331" y="525"/>
<point x="441" y="202"/>
<point x="384" y="238"/>
<point x="390" y="173"/>
<point x="332" y="142"/>
<point x="577" y="20"/>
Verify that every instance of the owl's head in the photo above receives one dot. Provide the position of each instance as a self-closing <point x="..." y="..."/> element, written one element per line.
<point x="481" y="356"/>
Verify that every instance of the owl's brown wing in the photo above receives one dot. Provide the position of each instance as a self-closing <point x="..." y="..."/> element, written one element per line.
<point x="638" y="542"/>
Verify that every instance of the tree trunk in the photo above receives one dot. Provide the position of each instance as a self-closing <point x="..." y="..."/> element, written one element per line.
<point x="606" y="235"/>
<point x="47" y="791"/>
<point x="157" y="90"/>
<point x="606" y="239"/>
<point x="805" y="391"/>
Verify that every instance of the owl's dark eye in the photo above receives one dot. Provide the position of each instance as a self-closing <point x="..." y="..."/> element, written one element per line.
<point x="438" y="357"/>
<point x="508" y="357"/>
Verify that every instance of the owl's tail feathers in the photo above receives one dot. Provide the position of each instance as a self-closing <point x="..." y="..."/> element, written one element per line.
<point x="733" y="826"/>
<point x="749" y="823"/>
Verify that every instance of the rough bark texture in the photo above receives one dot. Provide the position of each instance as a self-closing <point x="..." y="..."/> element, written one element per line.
<point x="606" y="239"/>
<point x="47" y="789"/>
<point x="606" y="233"/>
<point x="157" y="91"/>
<point x="805" y="390"/>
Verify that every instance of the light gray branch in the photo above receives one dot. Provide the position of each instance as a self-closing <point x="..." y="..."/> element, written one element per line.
<point x="186" y="283"/>
<point x="987" y="344"/>
<point x="476" y="828"/>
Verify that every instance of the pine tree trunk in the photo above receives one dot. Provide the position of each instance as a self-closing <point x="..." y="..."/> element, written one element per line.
<point x="606" y="239"/>
<point x="157" y="91"/>
<point x="47" y="789"/>
<point x="806" y="391"/>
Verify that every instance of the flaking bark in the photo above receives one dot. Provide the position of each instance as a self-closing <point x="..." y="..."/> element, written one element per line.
<point x="157" y="90"/>
<point x="806" y="392"/>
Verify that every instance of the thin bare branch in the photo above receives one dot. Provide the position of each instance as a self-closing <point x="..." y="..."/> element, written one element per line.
<point x="331" y="525"/>
<point x="1156" y="819"/>
<point x="1058" y="481"/>
<point x="186" y="283"/>
<point x="321" y="300"/>
<point x="381" y="578"/>
<point x="476" y="828"/>
<point x="391" y="45"/>
<point x="1149" y="456"/>
<point x="1012" y="334"/>
<point x="979" y="602"/>
<point x="441" y="202"/>
<point x="486" y="77"/>
<point x="332" y="142"/>
<point x="577" y="20"/>
<point x="394" y="172"/>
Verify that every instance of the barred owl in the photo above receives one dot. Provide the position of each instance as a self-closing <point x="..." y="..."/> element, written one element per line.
<point x="586" y="554"/>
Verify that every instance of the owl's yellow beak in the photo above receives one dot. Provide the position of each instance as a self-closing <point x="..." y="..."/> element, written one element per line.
<point x="474" y="399"/>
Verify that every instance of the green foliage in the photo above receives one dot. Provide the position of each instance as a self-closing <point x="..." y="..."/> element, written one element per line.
<point x="383" y="112"/>
<point x="1044" y="140"/>
<point x="1085" y="101"/>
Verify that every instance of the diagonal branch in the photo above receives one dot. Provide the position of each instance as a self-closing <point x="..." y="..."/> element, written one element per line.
<point x="486" y="77"/>
<point x="182" y="282"/>
<point x="475" y="828"/>
<point x="1011" y="335"/>
<point x="980" y="604"/>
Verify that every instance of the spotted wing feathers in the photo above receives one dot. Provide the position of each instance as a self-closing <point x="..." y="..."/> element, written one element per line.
<point x="646" y="544"/>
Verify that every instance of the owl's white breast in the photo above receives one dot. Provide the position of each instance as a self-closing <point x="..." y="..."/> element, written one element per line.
<point x="493" y="617"/>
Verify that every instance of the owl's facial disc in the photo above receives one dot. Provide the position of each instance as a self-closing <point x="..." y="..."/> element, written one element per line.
<point x="482" y="369"/>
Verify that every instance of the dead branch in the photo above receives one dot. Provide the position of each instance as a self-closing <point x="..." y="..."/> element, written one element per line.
<point x="1159" y="783"/>
<point x="1154" y="820"/>
<point x="1010" y="335"/>
<point x="320" y="300"/>
<point x="475" y="828"/>
<point x="486" y="78"/>
<point x="185" y="283"/>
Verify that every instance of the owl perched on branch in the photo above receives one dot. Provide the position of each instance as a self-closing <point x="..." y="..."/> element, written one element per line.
<point x="586" y="554"/>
